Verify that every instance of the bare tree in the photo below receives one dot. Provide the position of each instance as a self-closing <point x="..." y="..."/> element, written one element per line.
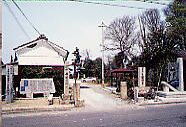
<point x="121" y="35"/>
<point x="154" y="42"/>
<point x="152" y="19"/>
<point x="150" y="24"/>
<point x="142" y="33"/>
<point x="86" y="54"/>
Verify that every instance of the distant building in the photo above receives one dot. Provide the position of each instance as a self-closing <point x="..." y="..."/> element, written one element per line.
<point x="39" y="58"/>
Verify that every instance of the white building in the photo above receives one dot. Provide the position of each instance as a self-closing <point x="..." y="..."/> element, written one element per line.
<point x="39" y="58"/>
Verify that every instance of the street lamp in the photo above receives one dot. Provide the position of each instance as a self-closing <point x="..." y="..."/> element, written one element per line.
<point x="102" y="26"/>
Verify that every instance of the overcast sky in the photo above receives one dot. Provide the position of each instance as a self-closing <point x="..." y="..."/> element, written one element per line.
<point x="66" y="23"/>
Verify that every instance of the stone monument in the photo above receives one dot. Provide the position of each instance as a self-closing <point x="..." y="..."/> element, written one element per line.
<point x="180" y="74"/>
<point x="66" y="79"/>
<point x="9" y="83"/>
<point x="141" y="76"/>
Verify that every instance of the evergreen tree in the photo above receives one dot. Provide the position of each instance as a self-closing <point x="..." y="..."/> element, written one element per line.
<point x="176" y="20"/>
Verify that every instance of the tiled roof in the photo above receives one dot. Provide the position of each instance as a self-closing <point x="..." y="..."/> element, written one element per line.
<point x="40" y="37"/>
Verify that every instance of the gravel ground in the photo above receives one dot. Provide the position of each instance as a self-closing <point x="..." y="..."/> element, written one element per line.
<point x="39" y="102"/>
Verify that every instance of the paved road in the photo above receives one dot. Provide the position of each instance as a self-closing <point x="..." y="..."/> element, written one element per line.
<point x="97" y="99"/>
<point x="104" y="115"/>
<point x="152" y="116"/>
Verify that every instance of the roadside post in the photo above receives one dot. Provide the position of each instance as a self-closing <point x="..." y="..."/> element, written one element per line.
<point x="123" y="90"/>
<point x="136" y="91"/>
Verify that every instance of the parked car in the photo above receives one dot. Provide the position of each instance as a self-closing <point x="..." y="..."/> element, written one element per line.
<point x="89" y="79"/>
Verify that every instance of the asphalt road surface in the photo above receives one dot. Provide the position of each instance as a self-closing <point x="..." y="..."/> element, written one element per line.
<point x="105" y="112"/>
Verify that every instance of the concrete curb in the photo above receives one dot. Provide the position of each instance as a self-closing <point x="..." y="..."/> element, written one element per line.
<point x="35" y="109"/>
<point x="161" y="103"/>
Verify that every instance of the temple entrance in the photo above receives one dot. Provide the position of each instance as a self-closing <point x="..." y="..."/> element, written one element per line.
<point x="122" y="74"/>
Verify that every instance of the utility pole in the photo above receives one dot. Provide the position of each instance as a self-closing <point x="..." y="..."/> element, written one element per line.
<point x="102" y="26"/>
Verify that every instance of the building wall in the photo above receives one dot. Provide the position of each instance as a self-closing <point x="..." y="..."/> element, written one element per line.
<point x="40" y="53"/>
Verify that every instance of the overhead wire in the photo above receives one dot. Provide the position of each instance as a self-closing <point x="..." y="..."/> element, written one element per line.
<point x="155" y="2"/>
<point x="16" y="19"/>
<point x="118" y="5"/>
<point x="26" y="17"/>
<point x="80" y="1"/>
<point x="106" y="4"/>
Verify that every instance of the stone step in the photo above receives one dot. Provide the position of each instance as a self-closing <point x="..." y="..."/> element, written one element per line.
<point x="172" y="94"/>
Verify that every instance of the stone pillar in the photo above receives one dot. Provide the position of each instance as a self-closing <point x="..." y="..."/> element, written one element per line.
<point x="76" y="93"/>
<point x="180" y="73"/>
<point x="136" y="91"/>
<point x="9" y="83"/>
<point x="141" y="76"/>
<point x="78" y="75"/>
<point x="123" y="90"/>
<point x="66" y="79"/>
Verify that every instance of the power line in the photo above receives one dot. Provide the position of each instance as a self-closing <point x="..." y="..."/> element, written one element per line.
<point x="106" y="4"/>
<point x="118" y="5"/>
<point x="26" y="17"/>
<point x="16" y="19"/>
<point x="154" y="2"/>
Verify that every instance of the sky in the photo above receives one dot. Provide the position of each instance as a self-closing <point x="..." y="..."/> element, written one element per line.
<point x="67" y="23"/>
